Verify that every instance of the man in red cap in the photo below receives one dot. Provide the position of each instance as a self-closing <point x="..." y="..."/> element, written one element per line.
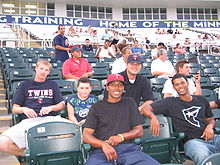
<point x="111" y="125"/>
<point x="76" y="66"/>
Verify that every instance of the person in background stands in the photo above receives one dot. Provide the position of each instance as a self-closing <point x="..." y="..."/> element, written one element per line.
<point x="162" y="67"/>
<point x="120" y="64"/>
<point x="183" y="67"/>
<point x="155" y="50"/>
<point x="61" y="45"/>
<point x="76" y="66"/>
<point x="137" y="49"/>
<point x="78" y="104"/>
<point x="105" y="51"/>
<point x="87" y="47"/>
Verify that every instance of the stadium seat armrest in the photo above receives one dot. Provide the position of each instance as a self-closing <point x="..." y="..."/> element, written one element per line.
<point x="178" y="135"/>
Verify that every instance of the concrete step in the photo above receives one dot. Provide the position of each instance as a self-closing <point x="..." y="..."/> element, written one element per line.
<point x="3" y="111"/>
<point x="2" y="91"/>
<point x="1" y="85"/>
<point x="6" y="159"/>
<point x="5" y="121"/>
<point x="3" y="103"/>
<point x="2" y="129"/>
<point x="2" y="96"/>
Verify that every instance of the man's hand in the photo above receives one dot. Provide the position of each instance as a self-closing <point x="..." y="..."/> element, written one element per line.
<point x="85" y="75"/>
<point x="45" y="110"/>
<point x="30" y="113"/>
<point x="154" y="126"/>
<point x="109" y="152"/>
<point x="114" y="140"/>
<point x="197" y="77"/>
<point x="208" y="133"/>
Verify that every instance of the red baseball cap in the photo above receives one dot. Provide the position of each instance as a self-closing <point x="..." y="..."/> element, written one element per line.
<point x="115" y="77"/>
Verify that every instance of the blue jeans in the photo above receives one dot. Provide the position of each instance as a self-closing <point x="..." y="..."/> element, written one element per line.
<point x="198" y="149"/>
<point x="128" y="154"/>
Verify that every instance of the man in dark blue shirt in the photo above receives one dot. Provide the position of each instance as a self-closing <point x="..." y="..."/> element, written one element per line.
<point x="87" y="47"/>
<point x="61" y="45"/>
<point x="34" y="99"/>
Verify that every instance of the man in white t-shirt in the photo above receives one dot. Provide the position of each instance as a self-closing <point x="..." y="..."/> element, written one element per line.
<point x="182" y="67"/>
<point x="162" y="67"/>
<point x="155" y="50"/>
<point x="120" y="64"/>
<point x="105" y="51"/>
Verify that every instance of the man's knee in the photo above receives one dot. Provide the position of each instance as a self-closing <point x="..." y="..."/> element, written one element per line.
<point x="5" y="142"/>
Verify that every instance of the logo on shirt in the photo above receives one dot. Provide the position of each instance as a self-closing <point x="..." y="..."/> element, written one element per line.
<point x="190" y="115"/>
<point x="40" y="95"/>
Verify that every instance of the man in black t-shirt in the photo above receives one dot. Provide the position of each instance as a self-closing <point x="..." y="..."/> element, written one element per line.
<point x="190" y="114"/>
<point x="137" y="86"/>
<point x="110" y="126"/>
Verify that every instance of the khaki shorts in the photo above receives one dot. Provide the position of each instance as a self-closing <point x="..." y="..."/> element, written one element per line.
<point x="17" y="132"/>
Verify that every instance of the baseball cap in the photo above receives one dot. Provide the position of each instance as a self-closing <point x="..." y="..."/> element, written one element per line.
<point x="115" y="77"/>
<point x="75" y="49"/>
<point x="135" y="58"/>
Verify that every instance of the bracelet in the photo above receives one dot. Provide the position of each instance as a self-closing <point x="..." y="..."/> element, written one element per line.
<point x="122" y="137"/>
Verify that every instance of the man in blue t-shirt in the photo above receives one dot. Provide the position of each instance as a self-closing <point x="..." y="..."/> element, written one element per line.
<point x="190" y="114"/>
<point x="61" y="45"/>
<point x="34" y="99"/>
<point x="87" y="47"/>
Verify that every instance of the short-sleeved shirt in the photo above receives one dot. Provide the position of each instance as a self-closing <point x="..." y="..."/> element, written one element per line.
<point x="36" y="95"/>
<point x="162" y="66"/>
<point x="188" y="117"/>
<point x="140" y="90"/>
<point x="75" y="68"/>
<point x="108" y="119"/>
<point x="61" y="55"/>
<point x="119" y="65"/>
<point x="168" y="88"/>
<point x="87" y="48"/>
<point x="137" y="50"/>
<point x="81" y="107"/>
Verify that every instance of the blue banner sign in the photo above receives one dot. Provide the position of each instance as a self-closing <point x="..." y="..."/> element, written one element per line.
<point x="44" y="20"/>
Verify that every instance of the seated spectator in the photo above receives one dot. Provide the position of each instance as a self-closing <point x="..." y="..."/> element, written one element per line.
<point x="155" y="50"/>
<point x="78" y="104"/>
<point x="136" y="86"/>
<point x="162" y="67"/>
<point x="190" y="114"/>
<point x="106" y="35"/>
<point x="87" y="47"/>
<point x="120" y="64"/>
<point x="179" y="50"/>
<point x="111" y="125"/>
<point x="170" y="31"/>
<point x="147" y="42"/>
<point x="105" y="51"/>
<point x="129" y="36"/>
<point x="94" y="38"/>
<point x="122" y="44"/>
<point x="76" y="66"/>
<point x="158" y="31"/>
<point x="215" y="104"/>
<point x="137" y="49"/>
<point x="177" y="32"/>
<point x="182" y="67"/>
<point x="187" y="44"/>
<point x="36" y="100"/>
<point x="72" y="32"/>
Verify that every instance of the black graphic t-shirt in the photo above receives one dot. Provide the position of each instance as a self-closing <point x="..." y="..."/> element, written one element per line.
<point x="188" y="117"/>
